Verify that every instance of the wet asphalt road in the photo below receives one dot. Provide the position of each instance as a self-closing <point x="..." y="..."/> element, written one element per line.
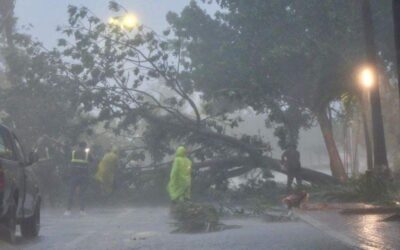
<point x="367" y="231"/>
<point x="149" y="228"/>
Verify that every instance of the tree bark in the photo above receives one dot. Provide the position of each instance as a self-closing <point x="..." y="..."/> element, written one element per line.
<point x="396" y="22"/>
<point x="7" y="20"/>
<point x="336" y="165"/>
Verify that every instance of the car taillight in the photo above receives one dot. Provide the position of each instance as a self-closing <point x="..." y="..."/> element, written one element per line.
<point x="2" y="179"/>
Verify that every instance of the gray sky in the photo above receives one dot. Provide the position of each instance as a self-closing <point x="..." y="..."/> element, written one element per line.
<point x="46" y="15"/>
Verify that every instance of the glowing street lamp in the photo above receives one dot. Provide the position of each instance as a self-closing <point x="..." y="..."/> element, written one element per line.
<point x="367" y="78"/>
<point x="128" y="21"/>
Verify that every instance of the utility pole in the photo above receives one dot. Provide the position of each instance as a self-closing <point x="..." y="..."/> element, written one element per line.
<point x="379" y="144"/>
<point x="366" y="136"/>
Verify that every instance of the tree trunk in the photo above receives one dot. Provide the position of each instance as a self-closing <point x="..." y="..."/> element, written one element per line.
<point x="7" y="20"/>
<point x="255" y="159"/>
<point x="238" y="165"/>
<point x="396" y="22"/>
<point x="337" y="167"/>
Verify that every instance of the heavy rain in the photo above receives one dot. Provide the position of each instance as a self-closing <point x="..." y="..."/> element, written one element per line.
<point x="199" y="124"/>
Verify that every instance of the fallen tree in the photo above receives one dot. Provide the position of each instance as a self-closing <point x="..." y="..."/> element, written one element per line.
<point x="253" y="160"/>
<point x="237" y="166"/>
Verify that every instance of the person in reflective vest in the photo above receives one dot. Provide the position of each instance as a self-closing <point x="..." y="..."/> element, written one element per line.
<point x="79" y="176"/>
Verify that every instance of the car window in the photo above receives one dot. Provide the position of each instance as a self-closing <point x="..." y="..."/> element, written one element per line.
<point x="19" y="150"/>
<point x="6" y="145"/>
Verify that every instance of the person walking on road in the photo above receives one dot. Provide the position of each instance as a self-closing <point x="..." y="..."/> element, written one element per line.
<point x="291" y="162"/>
<point x="79" y="176"/>
<point x="180" y="182"/>
<point x="106" y="171"/>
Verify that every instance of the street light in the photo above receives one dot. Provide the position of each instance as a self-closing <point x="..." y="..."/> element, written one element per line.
<point x="128" y="21"/>
<point x="367" y="77"/>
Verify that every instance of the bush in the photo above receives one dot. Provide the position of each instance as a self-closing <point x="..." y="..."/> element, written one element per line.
<point x="372" y="187"/>
<point x="192" y="218"/>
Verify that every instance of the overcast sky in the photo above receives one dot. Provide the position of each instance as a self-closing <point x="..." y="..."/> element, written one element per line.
<point x="45" y="15"/>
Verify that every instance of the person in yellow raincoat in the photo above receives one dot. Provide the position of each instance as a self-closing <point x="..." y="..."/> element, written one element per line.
<point x="106" y="170"/>
<point x="180" y="182"/>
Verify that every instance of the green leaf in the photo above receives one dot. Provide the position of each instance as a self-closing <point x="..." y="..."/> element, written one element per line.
<point x="72" y="10"/>
<point x="114" y="6"/>
<point x="62" y="42"/>
<point x="83" y="12"/>
<point x="76" y="69"/>
<point x="167" y="32"/>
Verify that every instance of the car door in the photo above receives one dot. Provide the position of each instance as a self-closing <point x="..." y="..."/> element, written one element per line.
<point x="28" y="184"/>
<point x="10" y="168"/>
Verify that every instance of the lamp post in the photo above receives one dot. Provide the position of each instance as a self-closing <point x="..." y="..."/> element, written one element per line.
<point x="367" y="79"/>
<point x="380" y="158"/>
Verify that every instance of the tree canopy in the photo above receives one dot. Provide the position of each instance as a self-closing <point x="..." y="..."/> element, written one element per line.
<point x="289" y="59"/>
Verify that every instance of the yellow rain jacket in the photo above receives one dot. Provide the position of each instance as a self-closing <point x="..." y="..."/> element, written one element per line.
<point x="106" y="170"/>
<point x="180" y="182"/>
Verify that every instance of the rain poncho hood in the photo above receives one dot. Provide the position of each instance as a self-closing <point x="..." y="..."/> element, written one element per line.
<point x="179" y="186"/>
<point x="114" y="150"/>
<point x="181" y="152"/>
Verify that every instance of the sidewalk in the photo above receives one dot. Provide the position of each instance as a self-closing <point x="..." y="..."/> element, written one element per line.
<point x="358" y="231"/>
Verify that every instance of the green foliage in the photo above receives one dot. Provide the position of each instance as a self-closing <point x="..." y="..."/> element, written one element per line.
<point x="371" y="187"/>
<point x="41" y="99"/>
<point x="7" y="20"/>
<point x="289" y="59"/>
<point x="114" y="6"/>
<point x="113" y="68"/>
<point x="368" y="187"/>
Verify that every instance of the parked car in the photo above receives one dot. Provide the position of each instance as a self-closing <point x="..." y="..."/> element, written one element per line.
<point x="19" y="193"/>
